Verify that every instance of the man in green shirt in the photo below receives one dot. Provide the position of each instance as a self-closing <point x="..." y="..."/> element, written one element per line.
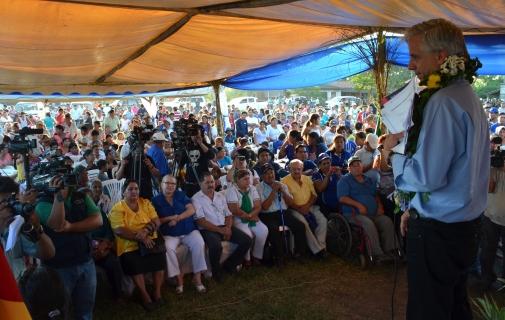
<point x="112" y="122"/>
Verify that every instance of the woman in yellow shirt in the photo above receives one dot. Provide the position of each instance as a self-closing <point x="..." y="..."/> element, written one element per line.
<point x="134" y="220"/>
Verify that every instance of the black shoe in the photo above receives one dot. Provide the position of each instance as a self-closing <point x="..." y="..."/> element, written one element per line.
<point x="230" y="270"/>
<point x="159" y="302"/>
<point x="384" y="259"/>
<point x="149" y="306"/>
<point x="321" y="255"/>
<point x="299" y="258"/>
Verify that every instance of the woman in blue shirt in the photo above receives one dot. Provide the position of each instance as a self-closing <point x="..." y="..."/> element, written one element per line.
<point x="176" y="212"/>
<point x="337" y="153"/>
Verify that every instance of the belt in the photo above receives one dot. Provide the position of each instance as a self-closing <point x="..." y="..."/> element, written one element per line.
<point x="416" y="217"/>
<point x="272" y="212"/>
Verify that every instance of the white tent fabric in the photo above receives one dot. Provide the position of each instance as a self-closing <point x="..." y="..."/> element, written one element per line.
<point x="139" y="46"/>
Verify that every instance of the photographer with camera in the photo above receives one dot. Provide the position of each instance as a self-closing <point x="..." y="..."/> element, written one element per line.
<point x="196" y="159"/>
<point x="136" y="164"/>
<point x="68" y="216"/>
<point x="32" y="241"/>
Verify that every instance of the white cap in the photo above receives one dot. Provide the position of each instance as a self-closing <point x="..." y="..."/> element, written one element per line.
<point x="158" y="136"/>
<point x="498" y="129"/>
<point x="372" y="140"/>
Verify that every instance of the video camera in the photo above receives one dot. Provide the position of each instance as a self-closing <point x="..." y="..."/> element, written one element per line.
<point x="45" y="171"/>
<point x="20" y="145"/>
<point x="19" y="208"/>
<point x="139" y="136"/>
<point x="498" y="157"/>
<point x="24" y="210"/>
<point x="185" y="129"/>
<point x="497" y="154"/>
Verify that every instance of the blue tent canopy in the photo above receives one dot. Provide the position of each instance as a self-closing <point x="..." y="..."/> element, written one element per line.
<point x="342" y="61"/>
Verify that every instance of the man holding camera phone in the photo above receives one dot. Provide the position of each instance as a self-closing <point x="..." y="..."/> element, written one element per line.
<point x="68" y="217"/>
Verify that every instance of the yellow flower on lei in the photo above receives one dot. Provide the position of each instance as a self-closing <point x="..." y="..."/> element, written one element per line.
<point x="433" y="81"/>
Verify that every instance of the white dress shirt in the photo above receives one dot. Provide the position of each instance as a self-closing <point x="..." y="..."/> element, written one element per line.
<point x="213" y="210"/>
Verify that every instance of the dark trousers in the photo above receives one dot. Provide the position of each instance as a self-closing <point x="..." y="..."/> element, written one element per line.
<point x="491" y="234"/>
<point x="191" y="188"/>
<point x="114" y="272"/>
<point x="213" y="242"/>
<point x="273" y="221"/>
<point x="439" y="256"/>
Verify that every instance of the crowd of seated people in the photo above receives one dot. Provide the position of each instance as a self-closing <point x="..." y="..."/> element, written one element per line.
<point x="273" y="182"/>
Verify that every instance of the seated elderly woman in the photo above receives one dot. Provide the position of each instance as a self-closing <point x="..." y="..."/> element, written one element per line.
<point x="245" y="205"/>
<point x="177" y="226"/>
<point x="134" y="222"/>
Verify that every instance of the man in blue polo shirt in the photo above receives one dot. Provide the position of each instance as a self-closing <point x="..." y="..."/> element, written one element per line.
<point x="358" y="196"/>
<point x="241" y="127"/>
<point x="302" y="153"/>
<point x="157" y="153"/>
<point x="325" y="182"/>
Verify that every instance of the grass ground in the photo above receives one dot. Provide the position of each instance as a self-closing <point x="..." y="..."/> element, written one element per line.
<point x="334" y="289"/>
<point x="330" y="290"/>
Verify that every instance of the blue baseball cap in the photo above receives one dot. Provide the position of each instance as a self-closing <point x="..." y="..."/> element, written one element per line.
<point x="321" y="157"/>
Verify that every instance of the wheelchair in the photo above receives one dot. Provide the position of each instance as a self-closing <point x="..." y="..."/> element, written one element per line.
<point x="348" y="240"/>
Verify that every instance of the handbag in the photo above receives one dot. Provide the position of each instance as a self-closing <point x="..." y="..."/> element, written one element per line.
<point x="159" y="247"/>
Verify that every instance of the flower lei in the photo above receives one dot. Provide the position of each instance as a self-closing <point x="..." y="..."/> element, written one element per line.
<point x="454" y="67"/>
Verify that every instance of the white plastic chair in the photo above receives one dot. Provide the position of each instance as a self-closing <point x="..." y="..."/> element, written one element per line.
<point x="112" y="188"/>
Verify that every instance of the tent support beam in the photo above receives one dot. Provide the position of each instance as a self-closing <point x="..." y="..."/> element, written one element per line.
<point x="161" y="37"/>
<point x="244" y="4"/>
<point x="216" y="85"/>
<point x="212" y="11"/>
<point x="240" y="4"/>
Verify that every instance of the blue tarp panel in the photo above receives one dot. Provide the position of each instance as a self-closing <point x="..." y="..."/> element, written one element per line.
<point x="490" y="49"/>
<point x="343" y="61"/>
<point x="303" y="71"/>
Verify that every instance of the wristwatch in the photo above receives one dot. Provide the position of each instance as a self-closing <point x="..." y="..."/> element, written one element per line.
<point x="59" y="197"/>
<point x="391" y="154"/>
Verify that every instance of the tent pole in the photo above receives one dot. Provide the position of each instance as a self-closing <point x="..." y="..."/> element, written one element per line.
<point x="216" y="85"/>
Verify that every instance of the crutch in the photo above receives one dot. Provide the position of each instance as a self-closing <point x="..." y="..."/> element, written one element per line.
<point x="284" y="235"/>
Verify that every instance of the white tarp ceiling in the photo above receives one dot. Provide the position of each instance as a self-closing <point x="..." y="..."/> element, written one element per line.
<point x="118" y="46"/>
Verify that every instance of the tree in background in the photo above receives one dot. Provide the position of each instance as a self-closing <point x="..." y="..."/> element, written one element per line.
<point x="488" y="86"/>
<point x="365" y="81"/>
<point x="309" y="92"/>
<point x="376" y="50"/>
